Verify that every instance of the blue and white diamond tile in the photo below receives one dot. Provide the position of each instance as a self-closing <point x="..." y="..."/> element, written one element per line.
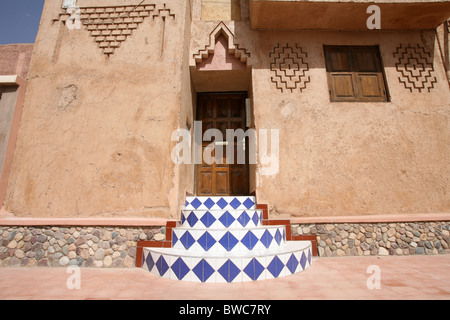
<point x="227" y="240"/>
<point x="208" y="219"/>
<point x="148" y="262"/>
<point x="181" y="265"/>
<point x="179" y="268"/>
<point x="249" y="240"/>
<point x="244" y="218"/>
<point x="203" y="271"/>
<point x="190" y="264"/>
<point x="218" y="219"/>
<point x="207" y="241"/>
<point x="253" y="268"/>
<point x="228" y="270"/>
<point x="219" y="203"/>
<point x="291" y="263"/>
<point x="276" y="266"/>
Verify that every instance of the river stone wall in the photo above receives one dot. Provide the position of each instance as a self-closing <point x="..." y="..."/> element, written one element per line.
<point x="64" y="246"/>
<point x="365" y="239"/>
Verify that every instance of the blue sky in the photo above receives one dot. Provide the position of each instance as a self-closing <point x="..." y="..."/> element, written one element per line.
<point x="19" y="20"/>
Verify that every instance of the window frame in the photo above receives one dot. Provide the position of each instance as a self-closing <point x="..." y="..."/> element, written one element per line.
<point x="355" y="72"/>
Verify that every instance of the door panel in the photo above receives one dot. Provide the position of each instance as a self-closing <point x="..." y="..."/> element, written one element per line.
<point x="204" y="182"/>
<point x="221" y="182"/>
<point x="222" y="112"/>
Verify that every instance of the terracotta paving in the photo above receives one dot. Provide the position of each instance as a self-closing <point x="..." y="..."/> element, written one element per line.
<point x="408" y="277"/>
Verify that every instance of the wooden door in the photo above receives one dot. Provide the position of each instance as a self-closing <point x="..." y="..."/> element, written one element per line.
<point x="222" y="111"/>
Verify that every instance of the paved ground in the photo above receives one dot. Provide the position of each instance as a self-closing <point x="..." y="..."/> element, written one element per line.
<point x="409" y="277"/>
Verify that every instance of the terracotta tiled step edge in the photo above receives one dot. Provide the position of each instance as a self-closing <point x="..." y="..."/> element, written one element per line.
<point x="167" y="243"/>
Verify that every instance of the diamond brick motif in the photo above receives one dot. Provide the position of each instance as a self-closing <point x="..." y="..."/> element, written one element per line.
<point x="203" y="270"/>
<point x="111" y="26"/>
<point x="254" y="269"/>
<point x="229" y="271"/>
<point x="180" y="268"/>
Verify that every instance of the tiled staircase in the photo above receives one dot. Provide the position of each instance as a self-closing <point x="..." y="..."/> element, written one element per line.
<point x="225" y="239"/>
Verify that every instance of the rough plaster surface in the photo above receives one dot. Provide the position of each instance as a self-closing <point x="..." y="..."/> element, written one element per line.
<point x="95" y="135"/>
<point x="347" y="158"/>
<point x="355" y="158"/>
<point x="96" y="131"/>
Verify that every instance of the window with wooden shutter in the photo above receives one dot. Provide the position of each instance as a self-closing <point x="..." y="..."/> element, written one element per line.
<point x="355" y="74"/>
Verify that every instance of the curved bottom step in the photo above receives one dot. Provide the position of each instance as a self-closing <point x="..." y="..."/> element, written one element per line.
<point x="293" y="257"/>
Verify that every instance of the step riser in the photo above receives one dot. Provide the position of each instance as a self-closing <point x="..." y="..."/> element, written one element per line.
<point x="220" y="203"/>
<point x="230" y="240"/>
<point x="222" y="270"/>
<point x="219" y="219"/>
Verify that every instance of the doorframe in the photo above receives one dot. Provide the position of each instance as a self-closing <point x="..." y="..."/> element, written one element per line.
<point x="244" y="93"/>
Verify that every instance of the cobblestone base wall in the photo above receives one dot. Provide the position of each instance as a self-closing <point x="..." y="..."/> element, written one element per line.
<point x="116" y="246"/>
<point x="82" y="246"/>
<point x="364" y="239"/>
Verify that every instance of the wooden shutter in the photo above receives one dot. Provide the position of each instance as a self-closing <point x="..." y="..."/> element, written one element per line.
<point x="354" y="73"/>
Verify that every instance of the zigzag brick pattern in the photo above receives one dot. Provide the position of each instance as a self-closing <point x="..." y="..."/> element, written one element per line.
<point x="415" y="68"/>
<point x="289" y="67"/>
<point x="111" y="26"/>
<point x="233" y="48"/>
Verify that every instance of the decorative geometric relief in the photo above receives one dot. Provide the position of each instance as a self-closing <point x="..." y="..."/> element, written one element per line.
<point x="112" y="25"/>
<point x="415" y="67"/>
<point x="233" y="48"/>
<point x="289" y="67"/>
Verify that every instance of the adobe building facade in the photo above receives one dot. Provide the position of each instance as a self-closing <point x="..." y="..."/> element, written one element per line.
<point x="360" y="115"/>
